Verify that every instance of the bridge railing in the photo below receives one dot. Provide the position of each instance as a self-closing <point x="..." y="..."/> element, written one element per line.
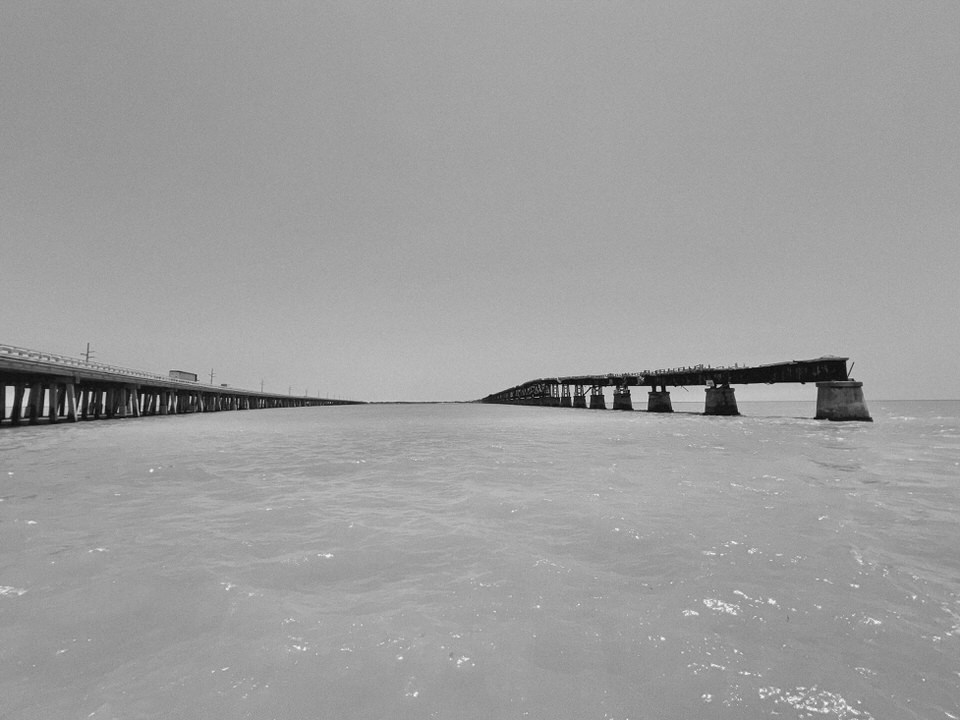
<point x="67" y="361"/>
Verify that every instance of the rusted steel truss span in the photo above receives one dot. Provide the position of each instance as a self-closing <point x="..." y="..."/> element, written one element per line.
<point x="795" y="371"/>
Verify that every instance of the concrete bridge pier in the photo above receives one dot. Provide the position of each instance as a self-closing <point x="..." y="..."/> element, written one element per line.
<point x="552" y="398"/>
<point x="579" y="397"/>
<point x="721" y="401"/>
<point x="565" y="400"/>
<point x="53" y="402"/>
<point x="597" y="401"/>
<point x="841" y="400"/>
<point x="16" y="412"/>
<point x="622" y="399"/>
<point x="35" y="403"/>
<point x="659" y="401"/>
<point x="70" y="403"/>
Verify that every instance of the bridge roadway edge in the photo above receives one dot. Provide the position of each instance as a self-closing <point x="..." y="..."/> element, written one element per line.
<point x="58" y="388"/>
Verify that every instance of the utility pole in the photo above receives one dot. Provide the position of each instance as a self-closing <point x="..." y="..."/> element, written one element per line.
<point x="88" y="354"/>
<point x="211" y="376"/>
<point x="261" y="384"/>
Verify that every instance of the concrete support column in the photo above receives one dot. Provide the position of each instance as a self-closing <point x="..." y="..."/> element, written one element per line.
<point x="597" y="401"/>
<point x="841" y="400"/>
<point x="35" y="403"/>
<point x="552" y="398"/>
<point x="622" y="399"/>
<point x="71" y="402"/>
<point x="659" y="401"/>
<point x="16" y="412"/>
<point x="120" y="402"/>
<point x="53" y="404"/>
<point x="721" y="401"/>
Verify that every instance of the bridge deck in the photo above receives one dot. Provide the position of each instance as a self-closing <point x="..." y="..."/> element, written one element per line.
<point x="57" y="386"/>
<point x="794" y="371"/>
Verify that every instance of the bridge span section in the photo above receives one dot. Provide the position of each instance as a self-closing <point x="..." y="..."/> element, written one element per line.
<point x="57" y="388"/>
<point x="839" y="397"/>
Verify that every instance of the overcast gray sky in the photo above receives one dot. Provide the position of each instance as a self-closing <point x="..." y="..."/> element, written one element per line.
<point x="437" y="200"/>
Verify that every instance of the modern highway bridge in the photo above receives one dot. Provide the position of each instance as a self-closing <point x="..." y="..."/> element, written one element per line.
<point x="838" y="396"/>
<point x="58" y="388"/>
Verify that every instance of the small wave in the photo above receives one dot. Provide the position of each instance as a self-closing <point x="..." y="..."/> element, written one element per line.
<point x="9" y="591"/>
<point x="814" y="700"/>
<point x="722" y="607"/>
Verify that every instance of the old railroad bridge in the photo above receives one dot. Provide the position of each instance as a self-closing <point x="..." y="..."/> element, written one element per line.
<point x="838" y="396"/>
<point x="57" y="388"/>
<point x="60" y="388"/>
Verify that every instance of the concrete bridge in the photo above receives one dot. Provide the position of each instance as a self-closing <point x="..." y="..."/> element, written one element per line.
<point x="838" y="396"/>
<point x="58" y="388"/>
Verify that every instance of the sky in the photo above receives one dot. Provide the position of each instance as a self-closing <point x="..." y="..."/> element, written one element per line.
<point x="438" y="200"/>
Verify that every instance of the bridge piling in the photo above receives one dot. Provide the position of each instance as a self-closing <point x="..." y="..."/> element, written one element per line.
<point x="53" y="403"/>
<point x="579" y="397"/>
<point x="622" y="399"/>
<point x="841" y="400"/>
<point x="71" y="402"/>
<point x="659" y="402"/>
<point x="16" y="412"/>
<point x="721" y="401"/>
<point x="597" y="401"/>
<point x="35" y="403"/>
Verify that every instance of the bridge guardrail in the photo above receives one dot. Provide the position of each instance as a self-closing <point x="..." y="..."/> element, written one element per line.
<point x="67" y="361"/>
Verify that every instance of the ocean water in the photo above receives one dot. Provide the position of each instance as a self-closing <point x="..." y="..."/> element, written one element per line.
<point x="476" y="561"/>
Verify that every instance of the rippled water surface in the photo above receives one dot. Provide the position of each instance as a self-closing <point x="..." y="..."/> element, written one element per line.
<point x="472" y="561"/>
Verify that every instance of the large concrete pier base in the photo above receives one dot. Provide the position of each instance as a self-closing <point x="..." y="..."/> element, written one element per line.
<point x="622" y="400"/>
<point x="597" y="401"/>
<point x="550" y="401"/>
<point x="721" y="401"/>
<point x="659" y="401"/>
<point x="841" y="400"/>
<point x="580" y="401"/>
<point x="565" y="401"/>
